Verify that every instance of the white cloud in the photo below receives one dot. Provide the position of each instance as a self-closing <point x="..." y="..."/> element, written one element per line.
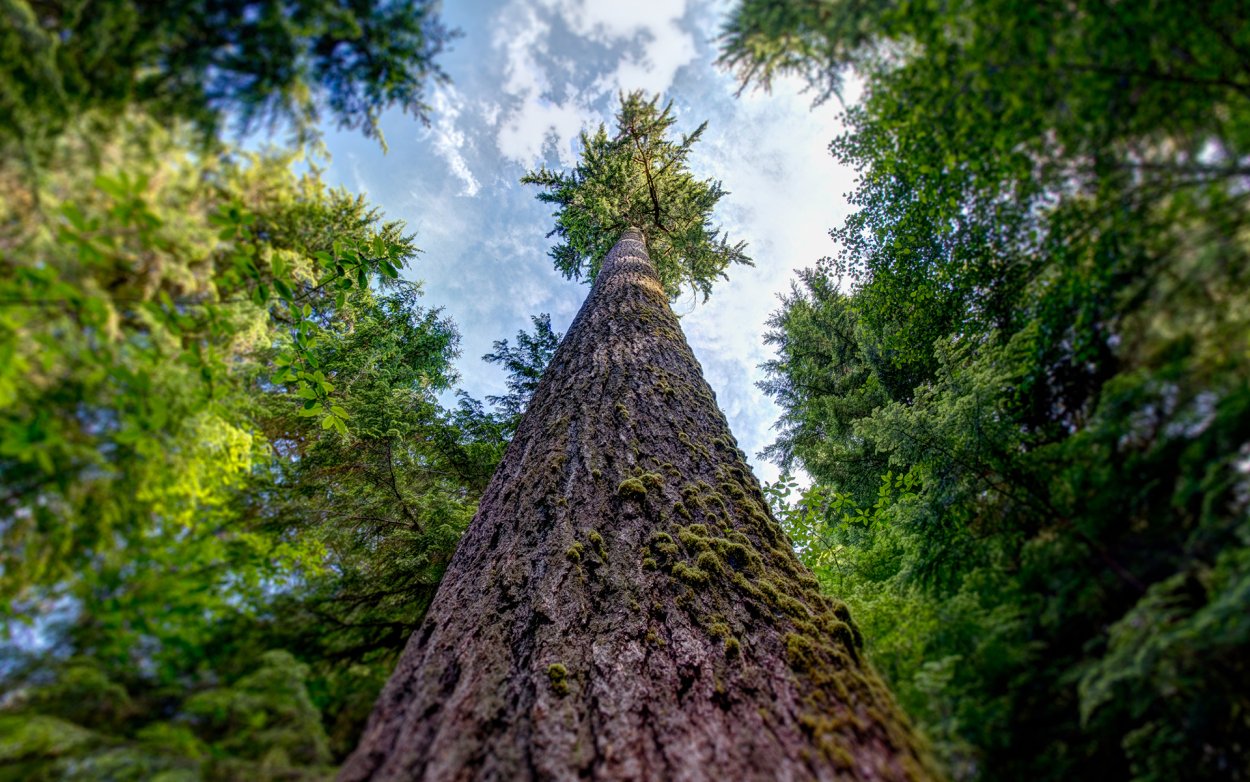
<point x="652" y="47"/>
<point x="489" y="111"/>
<point x="604" y="21"/>
<point x="522" y="35"/>
<point x="534" y="120"/>
<point x="538" y="124"/>
<point x="665" y="47"/>
<point x="359" y="185"/>
<point x="449" y="141"/>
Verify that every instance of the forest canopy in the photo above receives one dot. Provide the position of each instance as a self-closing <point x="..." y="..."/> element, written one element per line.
<point x="1020" y="384"/>
<point x="238" y="452"/>
<point x="214" y="63"/>
<point x="189" y="370"/>
<point x="229" y="486"/>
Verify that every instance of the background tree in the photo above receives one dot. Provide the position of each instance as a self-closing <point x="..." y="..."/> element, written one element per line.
<point x="525" y="363"/>
<point x="251" y="61"/>
<point x="638" y="178"/>
<point x="211" y="375"/>
<point x="215" y="386"/>
<point x="1046" y="283"/>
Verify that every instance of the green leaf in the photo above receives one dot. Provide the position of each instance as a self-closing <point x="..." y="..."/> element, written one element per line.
<point x="74" y="215"/>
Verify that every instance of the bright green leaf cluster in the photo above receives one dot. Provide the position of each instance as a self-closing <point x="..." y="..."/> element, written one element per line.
<point x="219" y="439"/>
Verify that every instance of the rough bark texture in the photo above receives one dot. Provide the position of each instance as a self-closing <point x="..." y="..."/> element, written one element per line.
<point x="624" y="606"/>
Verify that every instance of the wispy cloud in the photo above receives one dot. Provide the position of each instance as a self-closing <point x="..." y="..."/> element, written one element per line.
<point x="531" y="120"/>
<point x="449" y="140"/>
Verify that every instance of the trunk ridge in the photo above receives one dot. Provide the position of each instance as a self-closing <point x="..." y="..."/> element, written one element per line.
<point x="624" y="606"/>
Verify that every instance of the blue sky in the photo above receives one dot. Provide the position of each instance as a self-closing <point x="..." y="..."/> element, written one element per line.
<point x="527" y="76"/>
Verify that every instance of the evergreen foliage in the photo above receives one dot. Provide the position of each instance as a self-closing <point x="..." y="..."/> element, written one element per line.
<point x="249" y="62"/>
<point x="525" y="363"/>
<point x="637" y="177"/>
<point x="1033" y="343"/>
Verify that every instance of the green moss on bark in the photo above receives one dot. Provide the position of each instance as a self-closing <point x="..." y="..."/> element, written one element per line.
<point x="558" y="678"/>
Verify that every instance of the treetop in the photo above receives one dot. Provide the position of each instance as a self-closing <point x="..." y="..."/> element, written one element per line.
<point x="637" y="177"/>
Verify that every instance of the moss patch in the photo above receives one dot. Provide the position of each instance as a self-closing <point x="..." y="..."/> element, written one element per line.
<point x="637" y="486"/>
<point x="558" y="677"/>
<point x="821" y="644"/>
<point x="691" y="575"/>
<point x="662" y="545"/>
<point x="596" y="540"/>
<point x="632" y="487"/>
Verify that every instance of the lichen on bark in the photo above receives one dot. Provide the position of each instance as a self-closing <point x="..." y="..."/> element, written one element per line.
<point x="623" y="605"/>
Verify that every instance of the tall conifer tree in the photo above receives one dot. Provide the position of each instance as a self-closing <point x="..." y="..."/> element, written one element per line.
<point x="623" y="606"/>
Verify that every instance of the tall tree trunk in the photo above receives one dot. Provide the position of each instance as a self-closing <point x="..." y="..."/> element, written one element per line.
<point x="624" y="606"/>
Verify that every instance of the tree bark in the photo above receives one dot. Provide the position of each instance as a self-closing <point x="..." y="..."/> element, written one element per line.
<point x="624" y="606"/>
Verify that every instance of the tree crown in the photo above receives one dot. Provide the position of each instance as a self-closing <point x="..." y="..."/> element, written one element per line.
<point x="638" y="177"/>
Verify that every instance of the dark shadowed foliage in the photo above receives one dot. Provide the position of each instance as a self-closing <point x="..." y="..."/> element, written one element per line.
<point x="1039" y="356"/>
